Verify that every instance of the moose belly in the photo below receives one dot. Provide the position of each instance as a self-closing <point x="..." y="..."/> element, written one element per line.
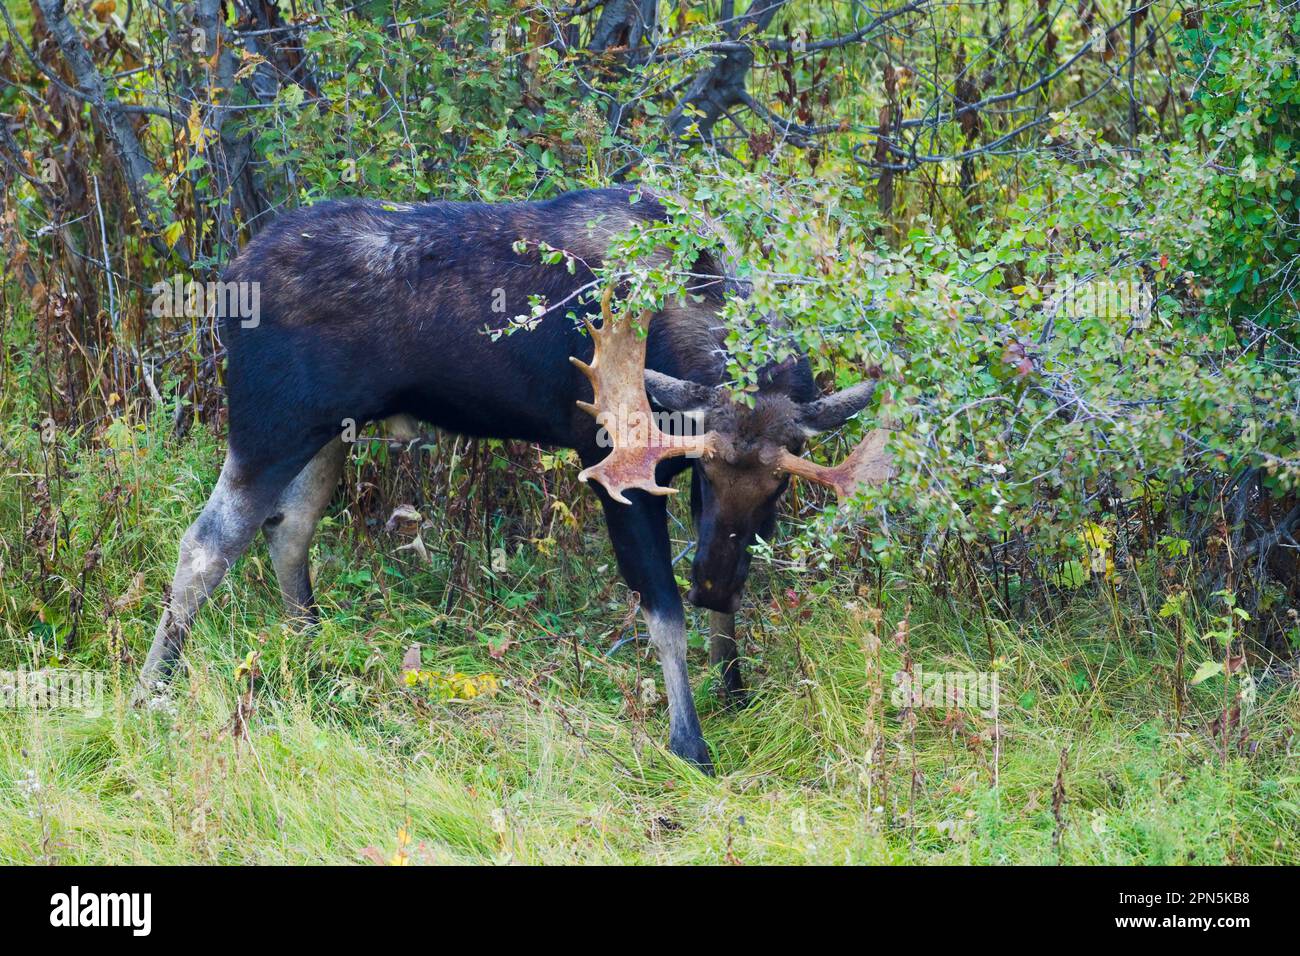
<point x="490" y="400"/>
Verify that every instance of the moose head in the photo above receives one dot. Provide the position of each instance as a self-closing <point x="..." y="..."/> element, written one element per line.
<point x="746" y="453"/>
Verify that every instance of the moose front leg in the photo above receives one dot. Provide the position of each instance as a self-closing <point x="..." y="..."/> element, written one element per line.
<point x="724" y="658"/>
<point x="639" y="533"/>
<point x="668" y="635"/>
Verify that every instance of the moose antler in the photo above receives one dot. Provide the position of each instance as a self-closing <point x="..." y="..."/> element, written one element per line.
<point x="868" y="464"/>
<point x="620" y="406"/>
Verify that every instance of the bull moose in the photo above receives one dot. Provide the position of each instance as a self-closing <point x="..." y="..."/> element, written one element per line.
<point x="372" y="310"/>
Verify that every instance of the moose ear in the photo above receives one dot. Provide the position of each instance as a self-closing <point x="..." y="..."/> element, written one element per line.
<point x="834" y="410"/>
<point x="675" y="394"/>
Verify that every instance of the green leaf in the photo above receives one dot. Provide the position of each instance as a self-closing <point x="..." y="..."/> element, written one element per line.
<point x="1206" y="671"/>
<point x="1073" y="574"/>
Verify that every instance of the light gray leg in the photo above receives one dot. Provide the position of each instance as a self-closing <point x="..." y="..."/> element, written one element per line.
<point x="212" y="544"/>
<point x="723" y="656"/>
<point x="290" y="527"/>
<point x="668" y="635"/>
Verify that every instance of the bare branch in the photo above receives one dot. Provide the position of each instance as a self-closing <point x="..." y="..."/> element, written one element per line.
<point x="136" y="165"/>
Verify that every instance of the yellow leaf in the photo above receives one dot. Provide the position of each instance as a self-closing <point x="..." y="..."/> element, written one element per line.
<point x="1096" y="536"/>
<point x="197" y="133"/>
<point x="172" y="234"/>
<point x="250" y="62"/>
<point x="246" y="665"/>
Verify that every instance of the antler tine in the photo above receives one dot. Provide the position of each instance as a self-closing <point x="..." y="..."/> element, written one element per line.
<point x="607" y="320"/>
<point x="868" y="464"/>
<point x="620" y="406"/>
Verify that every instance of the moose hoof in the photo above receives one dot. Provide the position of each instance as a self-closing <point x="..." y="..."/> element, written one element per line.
<point x="141" y="695"/>
<point x="695" y="752"/>
<point x="731" y="690"/>
<point x="149" y="687"/>
<point x="734" y="698"/>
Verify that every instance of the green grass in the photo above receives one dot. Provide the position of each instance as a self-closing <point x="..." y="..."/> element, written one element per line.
<point x="566" y="763"/>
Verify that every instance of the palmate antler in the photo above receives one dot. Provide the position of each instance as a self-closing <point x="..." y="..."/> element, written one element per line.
<point x="620" y="406"/>
<point x="618" y="379"/>
<point x="868" y="464"/>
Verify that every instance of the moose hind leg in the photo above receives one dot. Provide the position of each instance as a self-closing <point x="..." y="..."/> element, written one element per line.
<point x="293" y="521"/>
<point x="234" y="512"/>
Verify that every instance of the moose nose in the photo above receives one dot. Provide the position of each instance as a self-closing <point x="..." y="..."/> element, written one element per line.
<point x="706" y="597"/>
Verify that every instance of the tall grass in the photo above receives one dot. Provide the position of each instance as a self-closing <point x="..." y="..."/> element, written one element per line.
<point x="340" y="762"/>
